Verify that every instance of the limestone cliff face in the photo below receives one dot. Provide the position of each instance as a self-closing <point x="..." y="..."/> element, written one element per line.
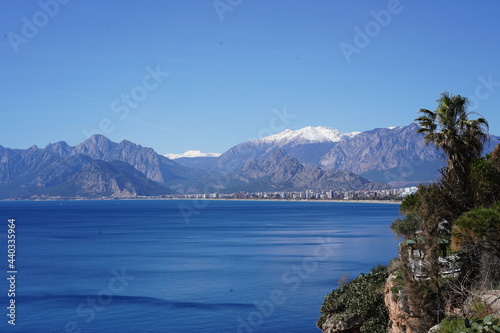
<point x="342" y="323"/>
<point x="395" y="306"/>
<point x="396" y="301"/>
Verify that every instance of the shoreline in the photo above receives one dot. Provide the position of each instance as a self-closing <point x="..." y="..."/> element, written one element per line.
<point x="393" y="202"/>
<point x="300" y="200"/>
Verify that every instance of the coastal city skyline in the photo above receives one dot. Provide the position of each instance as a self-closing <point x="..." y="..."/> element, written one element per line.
<point x="179" y="76"/>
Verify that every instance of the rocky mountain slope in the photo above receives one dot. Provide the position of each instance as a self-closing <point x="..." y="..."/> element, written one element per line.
<point x="394" y="155"/>
<point x="93" y="168"/>
<point x="56" y="171"/>
<point x="280" y="172"/>
<point x="99" y="167"/>
<point x="307" y="145"/>
<point x="319" y="158"/>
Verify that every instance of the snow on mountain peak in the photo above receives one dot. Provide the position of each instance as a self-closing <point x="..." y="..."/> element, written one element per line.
<point x="190" y="154"/>
<point x="309" y="134"/>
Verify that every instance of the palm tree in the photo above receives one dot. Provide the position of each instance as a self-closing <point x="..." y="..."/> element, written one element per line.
<point x="462" y="139"/>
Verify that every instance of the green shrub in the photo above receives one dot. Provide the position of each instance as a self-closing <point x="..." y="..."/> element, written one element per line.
<point x="486" y="325"/>
<point x="365" y="296"/>
<point x="452" y="324"/>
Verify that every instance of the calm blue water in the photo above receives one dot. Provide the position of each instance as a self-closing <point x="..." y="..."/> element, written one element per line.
<point x="185" y="266"/>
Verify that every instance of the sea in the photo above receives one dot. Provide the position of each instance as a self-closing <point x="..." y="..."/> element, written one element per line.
<point x="180" y="266"/>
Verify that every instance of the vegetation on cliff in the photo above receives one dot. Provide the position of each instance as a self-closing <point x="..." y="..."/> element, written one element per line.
<point x="363" y="296"/>
<point x="460" y="210"/>
<point x="449" y="257"/>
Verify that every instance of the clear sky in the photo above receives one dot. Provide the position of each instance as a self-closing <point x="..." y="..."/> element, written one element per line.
<point x="191" y="74"/>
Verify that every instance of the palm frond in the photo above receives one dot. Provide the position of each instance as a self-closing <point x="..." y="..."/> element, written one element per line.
<point x="450" y="128"/>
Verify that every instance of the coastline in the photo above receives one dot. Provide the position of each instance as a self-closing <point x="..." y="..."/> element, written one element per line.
<point x="393" y="202"/>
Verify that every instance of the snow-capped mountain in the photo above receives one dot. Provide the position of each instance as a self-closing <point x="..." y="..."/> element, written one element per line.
<point x="307" y="145"/>
<point x="309" y="134"/>
<point x="191" y="154"/>
<point x="393" y="154"/>
<point x="309" y="158"/>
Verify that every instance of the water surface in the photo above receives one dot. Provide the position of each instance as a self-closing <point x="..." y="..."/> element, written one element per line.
<point x="186" y="266"/>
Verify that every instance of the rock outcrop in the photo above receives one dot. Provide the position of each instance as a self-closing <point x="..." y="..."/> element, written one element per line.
<point x="491" y="299"/>
<point x="395" y="301"/>
<point x="342" y="323"/>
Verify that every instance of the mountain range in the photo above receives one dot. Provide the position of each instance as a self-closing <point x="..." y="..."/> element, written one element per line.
<point x="318" y="158"/>
<point x="393" y="155"/>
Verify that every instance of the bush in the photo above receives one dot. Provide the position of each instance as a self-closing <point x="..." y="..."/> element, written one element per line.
<point x="363" y="296"/>
<point x="478" y="228"/>
<point x="485" y="325"/>
<point x="406" y="226"/>
<point x="452" y="324"/>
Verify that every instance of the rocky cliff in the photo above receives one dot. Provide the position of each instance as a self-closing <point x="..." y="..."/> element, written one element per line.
<point x="396" y="302"/>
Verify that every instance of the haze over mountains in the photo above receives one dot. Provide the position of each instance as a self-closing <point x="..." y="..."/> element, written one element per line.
<point x="318" y="158"/>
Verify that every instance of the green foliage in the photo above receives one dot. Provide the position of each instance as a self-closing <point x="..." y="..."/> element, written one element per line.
<point x="461" y="139"/>
<point x="436" y="212"/>
<point x="410" y="204"/>
<point x="398" y="284"/>
<point x="365" y="296"/>
<point x="478" y="307"/>
<point x="450" y="207"/>
<point x="431" y="208"/>
<point x="478" y="228"/>
<point x="485" y="178"/>
<point x="406" y="226"/>
<point x="450" y="129"/>
<point x="495" y="156"/>
<point x="486" y="325"/>
<point x="424" y="303"/>
<point x="380" y="268"/>
<point x="425" y="211"/>
<point x="455" y="324"/>
<point x="452" y="324"/>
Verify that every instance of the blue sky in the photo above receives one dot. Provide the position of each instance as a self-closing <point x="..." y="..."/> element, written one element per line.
<point x="186" y="74"/>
